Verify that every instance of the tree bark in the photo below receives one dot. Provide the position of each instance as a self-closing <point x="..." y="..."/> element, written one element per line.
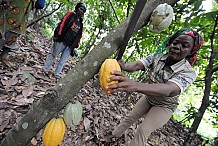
<point x="57" y="97"/>
<point x="208" y="81"/>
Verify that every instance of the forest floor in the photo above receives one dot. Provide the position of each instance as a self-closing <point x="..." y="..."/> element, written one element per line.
<point x="24" y="82"/>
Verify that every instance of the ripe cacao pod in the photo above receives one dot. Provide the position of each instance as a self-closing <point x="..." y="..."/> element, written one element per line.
<point x="54" y="132"/>
<point x="105" y="72"/>
<point x="73" y="113"/>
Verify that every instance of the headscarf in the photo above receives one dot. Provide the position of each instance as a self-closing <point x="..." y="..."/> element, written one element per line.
<point x="198" y="42"/>
<point x="78" y="5"/>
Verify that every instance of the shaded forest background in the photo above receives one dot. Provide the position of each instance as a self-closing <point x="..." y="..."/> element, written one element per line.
<point x="197" y="105"/>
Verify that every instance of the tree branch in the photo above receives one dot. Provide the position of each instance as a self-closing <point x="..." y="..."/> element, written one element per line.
<point x="208" y="82"/>
<point x="43" y="16"/>
<point x="128" y="8"/>
<point x="114" y="11"/>
<point x="215" y="69"/>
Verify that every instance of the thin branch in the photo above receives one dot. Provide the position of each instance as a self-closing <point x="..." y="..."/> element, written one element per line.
<point x="128" y="8"/>
<point x="138" y="8"/>
<point x="91" y="42"/>
<point x="214" y="52"/>
<point x="215" y="69"/>
<point x="199" y="80"/>
<point x="49" y="2"/>
<point x="114" y="11"/>
<point x="43" y="16"/>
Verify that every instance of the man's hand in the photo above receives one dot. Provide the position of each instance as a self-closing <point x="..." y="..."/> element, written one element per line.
<point x="74" y="52"/>
<point x="122" y="64"/>
<point x="125" y="84"/>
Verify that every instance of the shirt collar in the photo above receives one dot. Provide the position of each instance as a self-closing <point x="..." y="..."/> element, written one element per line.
<point x="178" y="66"/>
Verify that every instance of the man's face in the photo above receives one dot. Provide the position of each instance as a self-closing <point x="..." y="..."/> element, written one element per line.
<point x="80" y="11"/>
<point x="180" y="47"/>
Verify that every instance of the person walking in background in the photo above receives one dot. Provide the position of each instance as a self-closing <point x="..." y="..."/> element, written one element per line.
<point x="66" y="38"/>
<point x="13" y="20"/>
<point x="169" y="74"/>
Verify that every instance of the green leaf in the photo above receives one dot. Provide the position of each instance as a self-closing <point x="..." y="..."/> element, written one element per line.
<point x="29" y="76"/>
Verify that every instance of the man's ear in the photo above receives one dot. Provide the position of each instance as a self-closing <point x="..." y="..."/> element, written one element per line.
<point x="191" y="52"/>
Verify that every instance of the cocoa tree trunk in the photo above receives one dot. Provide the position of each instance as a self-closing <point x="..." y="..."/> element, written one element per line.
<point x="208" y="81"/>
<point x="57" y="97"/>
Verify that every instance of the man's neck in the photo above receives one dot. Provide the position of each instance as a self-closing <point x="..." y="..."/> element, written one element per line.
<point x="170" y="62"/>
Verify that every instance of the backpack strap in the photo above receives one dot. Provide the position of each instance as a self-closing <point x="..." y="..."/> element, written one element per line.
<point x="63" y="22"/>
<point x="68" y="25"/>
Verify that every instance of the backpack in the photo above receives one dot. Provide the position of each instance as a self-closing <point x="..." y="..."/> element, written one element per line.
<point x="40" y="4"/>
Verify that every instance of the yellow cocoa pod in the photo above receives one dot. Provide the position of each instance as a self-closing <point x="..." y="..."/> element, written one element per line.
<point x="105" y="72"/>
<point x="54" y="132"/>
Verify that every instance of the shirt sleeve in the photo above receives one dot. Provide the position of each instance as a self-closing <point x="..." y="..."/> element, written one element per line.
<point x="147" y="61"/>
<point x="185" y="79"/>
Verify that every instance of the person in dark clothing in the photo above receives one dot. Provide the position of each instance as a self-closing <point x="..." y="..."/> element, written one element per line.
<point x="66" y="38"/>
